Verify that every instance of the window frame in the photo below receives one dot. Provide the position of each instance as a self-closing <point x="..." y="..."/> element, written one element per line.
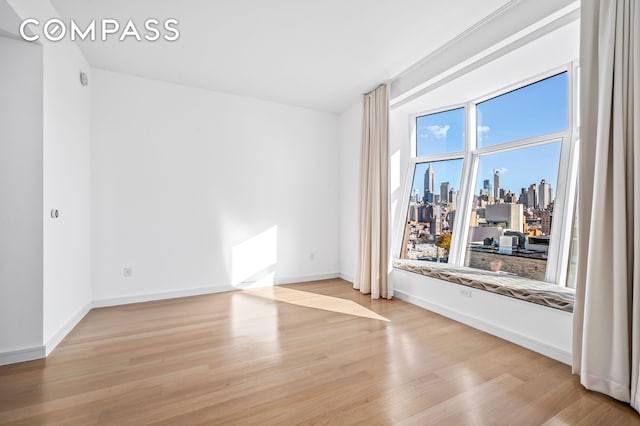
<point x="414" y="160"/>
<point x="559" y="247"/>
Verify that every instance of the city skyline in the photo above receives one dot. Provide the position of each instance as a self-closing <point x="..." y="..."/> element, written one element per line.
<point x="527" y="166"/>
<point x="537" y="109"/>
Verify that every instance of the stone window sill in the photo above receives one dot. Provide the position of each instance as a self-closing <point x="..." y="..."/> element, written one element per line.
<point x="539" y="292"/>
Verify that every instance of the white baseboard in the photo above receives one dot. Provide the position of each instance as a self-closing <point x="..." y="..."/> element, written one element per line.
<point x="519" y="339"/>
<point x="57" y="337"/>
<point x="306" y="278"/>
<point x="149" y="297"/>
<point x="22" y="355"/>
<point x="347" y="277"/>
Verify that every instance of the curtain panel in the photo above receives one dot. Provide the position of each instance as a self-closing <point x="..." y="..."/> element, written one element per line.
<point x="606" y="344"/>
<point x="373" y="256"/>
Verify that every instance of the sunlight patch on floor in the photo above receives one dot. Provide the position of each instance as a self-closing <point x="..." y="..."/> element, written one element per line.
<point x="316" y="301"/>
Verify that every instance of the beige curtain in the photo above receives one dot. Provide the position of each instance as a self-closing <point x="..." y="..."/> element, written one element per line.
<point x="607" y="313"/>
<point x="372" y="262"/>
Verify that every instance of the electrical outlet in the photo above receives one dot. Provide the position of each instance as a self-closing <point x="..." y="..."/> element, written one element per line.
<point x="465" y="292"/>
<point x="128" y="272"/>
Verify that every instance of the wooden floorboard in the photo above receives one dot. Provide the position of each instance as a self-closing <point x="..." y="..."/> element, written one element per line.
<point x="312" y="353"/>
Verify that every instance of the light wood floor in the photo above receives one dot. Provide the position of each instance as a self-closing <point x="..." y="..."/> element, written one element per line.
<point x="315" y="353"/>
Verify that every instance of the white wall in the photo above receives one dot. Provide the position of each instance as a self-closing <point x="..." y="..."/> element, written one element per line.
<point x="350" y="142"/>
<point x="539" y="328"/>
<point x="66" y="289"/>
<point x="21" y="244"/>
<point x="182" y="177"/>
<point x="67" y="124"/>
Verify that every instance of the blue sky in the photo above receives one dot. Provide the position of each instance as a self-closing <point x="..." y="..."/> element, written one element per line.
<point x="530" y="111"/>
<point x="440" y="133"/>
<point x="534" y="110"/>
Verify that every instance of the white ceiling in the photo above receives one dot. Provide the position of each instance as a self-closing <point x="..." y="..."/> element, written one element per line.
<point x="318" y="54"/>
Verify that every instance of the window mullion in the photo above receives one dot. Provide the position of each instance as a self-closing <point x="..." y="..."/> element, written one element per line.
<point x="565" y="196"/>
<point x="459" y="237"/>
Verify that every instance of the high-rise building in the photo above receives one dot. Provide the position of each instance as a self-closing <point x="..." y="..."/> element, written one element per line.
<point x="435" y="225"/>
<point x="451" y="218"/>
<point x="453" y="199"/>
<point x="424" y="214"/>
<point x="544" y="195"/>
<point x="429" y="184"/>
<point x="532" y="196"/>
<point x="433" y="216"/>
<point x="412" y="216"/>
<point x="416" y="196"/>
<point x="523" y="197"/>
<point x="496" y="184"/>
<point x="486" y="187"/>
<point x="445" y="187"/>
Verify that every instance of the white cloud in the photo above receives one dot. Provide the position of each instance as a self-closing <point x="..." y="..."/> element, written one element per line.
<point x="482" y="132"/>
<point x="483" y="129"/>
<point x="502" y="170"/>
<point x="438" y="132"/>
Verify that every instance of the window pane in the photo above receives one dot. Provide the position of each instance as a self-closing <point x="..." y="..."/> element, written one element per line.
<point x="533" y="110"/>
<point x="512" y="213"/>
<point x="440" y="133"/>
<point x="432" y="211"/>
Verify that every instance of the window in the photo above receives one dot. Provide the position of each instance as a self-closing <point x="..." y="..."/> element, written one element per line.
<point x="491" y="181"/>
<point x="436" y="186"/>
<point x="432" y="210"/>
<point x="512" y="211"/>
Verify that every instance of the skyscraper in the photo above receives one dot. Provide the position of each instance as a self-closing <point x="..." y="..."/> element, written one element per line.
<point x="453" y="199"/>
<point x="496" y="184"/>
<point x="486" y="187"/>
<point x="435" y="224"/>
<point x="429" y="183"/>
<point x="523" y="197"/>
<point x="532" y="196"/>
<point x="445" y="187"/>
<point x="544" y="195"/>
